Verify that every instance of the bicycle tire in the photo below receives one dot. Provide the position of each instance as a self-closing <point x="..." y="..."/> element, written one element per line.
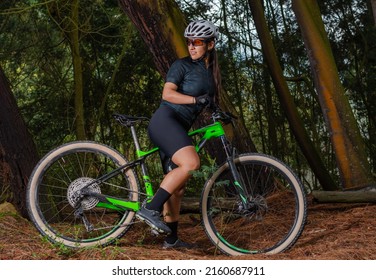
<point x="56" y="179"/>
<point x="276" y="216"/>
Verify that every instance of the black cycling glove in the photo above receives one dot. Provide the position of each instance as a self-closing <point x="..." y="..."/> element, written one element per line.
<point x="204" y="100"/>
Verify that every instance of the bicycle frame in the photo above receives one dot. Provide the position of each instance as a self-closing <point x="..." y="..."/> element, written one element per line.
<point x="208" y="132"/>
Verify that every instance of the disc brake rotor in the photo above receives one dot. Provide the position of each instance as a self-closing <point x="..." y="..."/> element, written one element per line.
<point x="256" y="208"/>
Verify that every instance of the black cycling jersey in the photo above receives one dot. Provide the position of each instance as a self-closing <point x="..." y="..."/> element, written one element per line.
<point x="192" y="78"/>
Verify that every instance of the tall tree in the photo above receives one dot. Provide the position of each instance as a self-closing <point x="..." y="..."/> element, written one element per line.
<point x="349" y="147"/>
<point x="66" y="16"/>
<point x="18" y="154"/>
<point x="287" y="101"/>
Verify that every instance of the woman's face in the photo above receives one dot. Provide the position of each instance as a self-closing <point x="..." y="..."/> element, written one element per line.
<point x="197" y="47"/>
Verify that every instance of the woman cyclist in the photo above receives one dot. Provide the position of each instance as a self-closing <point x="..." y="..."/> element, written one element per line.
<point x="192" y="83"/>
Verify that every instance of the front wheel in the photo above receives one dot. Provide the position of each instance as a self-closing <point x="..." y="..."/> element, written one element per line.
<point x="64" y="195"/>
<point x="272" y="219"/>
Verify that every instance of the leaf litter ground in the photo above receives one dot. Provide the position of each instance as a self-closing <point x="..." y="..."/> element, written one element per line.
<point x="332" y="232"/>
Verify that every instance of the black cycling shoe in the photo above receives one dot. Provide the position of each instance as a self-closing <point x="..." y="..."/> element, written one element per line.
<point x="152" y="218"/>
<point x="178" y="244"/>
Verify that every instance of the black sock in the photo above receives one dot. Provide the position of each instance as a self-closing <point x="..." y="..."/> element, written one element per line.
<point x="160" y="197"/>
<point x="173" y="236"/>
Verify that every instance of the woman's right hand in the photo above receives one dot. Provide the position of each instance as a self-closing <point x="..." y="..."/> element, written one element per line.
<point x="204" y="100"/>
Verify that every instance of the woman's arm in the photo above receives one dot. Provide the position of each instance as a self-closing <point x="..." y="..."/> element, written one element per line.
<point x="171" y="94"/>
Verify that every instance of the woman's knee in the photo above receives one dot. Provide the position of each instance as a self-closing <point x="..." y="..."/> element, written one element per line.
<point x="191" y="164"/>
<point x="187" y="158"/>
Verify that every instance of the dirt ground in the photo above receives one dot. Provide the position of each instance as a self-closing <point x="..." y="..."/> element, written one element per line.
<point x="332" y="232"/>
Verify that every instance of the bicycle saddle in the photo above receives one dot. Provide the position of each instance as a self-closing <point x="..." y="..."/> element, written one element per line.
<point x="127" y="120"/>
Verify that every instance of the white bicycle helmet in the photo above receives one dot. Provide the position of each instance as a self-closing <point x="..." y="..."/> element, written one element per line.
<point x="201" y="29"/>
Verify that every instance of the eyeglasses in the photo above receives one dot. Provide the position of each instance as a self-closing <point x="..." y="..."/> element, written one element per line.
<point x="195" y="42"/>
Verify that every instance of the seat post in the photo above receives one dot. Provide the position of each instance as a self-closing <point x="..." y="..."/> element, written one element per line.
<point x="144" y="170"/>
<point x="135" y="138"/>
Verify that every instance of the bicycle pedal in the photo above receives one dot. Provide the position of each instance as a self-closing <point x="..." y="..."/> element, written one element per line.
<point x="154" y="232"/>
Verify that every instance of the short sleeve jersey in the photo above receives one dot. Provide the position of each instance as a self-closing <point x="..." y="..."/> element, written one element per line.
<point x="192" y="78"/>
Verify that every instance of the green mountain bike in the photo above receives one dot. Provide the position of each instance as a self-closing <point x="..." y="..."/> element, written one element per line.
<point x="85" y="194"/>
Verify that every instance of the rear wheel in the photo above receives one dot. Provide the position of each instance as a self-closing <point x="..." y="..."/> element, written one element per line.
<point x="274" y="216"/>
<point x="64" y="195"/>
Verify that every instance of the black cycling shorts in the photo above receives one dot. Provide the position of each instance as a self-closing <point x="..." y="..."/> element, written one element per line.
<point x="168" y="131"/>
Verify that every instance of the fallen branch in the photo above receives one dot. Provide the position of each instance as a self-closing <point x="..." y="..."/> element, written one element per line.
<point x="360" y="196"/>
<point x="190" y="205"/>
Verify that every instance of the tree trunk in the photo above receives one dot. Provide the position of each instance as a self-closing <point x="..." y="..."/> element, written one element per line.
<point x="349" y="147"/>
<point x="373" y="6"/>
<point x="301" y="135"/>
<point x="73" y="35"/>
<point x="161" y="25"/>
<point x="66" y="16"/>
<point x="18" y="154"/>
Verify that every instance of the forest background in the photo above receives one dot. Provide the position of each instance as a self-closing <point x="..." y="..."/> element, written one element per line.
<point x="300" y="75"/>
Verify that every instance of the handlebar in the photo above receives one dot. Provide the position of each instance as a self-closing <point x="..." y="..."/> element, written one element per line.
<point x="225" y="117"/>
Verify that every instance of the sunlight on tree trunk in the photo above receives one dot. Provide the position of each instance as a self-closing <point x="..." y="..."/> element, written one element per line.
<point x="349" y="147"/>
<point x="161" y="25"/>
